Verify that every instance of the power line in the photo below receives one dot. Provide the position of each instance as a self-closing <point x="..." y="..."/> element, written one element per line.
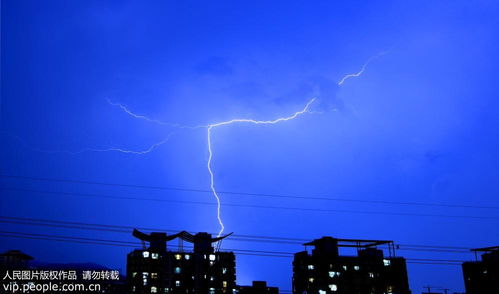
<point x="72" y="239"/>
<point x="303" y="197"/>
<point x="252" y="205"/>
<point x="127" y="229"/>
<point x="250" y="238"/>
<point x="232" y="238"/>
<point x="128" y="243"/>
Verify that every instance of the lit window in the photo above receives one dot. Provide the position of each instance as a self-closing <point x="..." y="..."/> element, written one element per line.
<point x="386" y="262"/>
<point x="333" y="287"/>
<point x="334" y="274"/>
<point x="134" y="274"/>
<point x="154" y="290"/>
<point x="371" y="275"/>
<point x="310" y="266"/>
<point x="212" y="278"/>
<point x="154" y="255"/>
<point x="178" y="256"/>
<point x="133" y="289"/>
<point x="311" y="280"/>
<point x="345" y="268"/>
<point x="212" y="290"/>
<point x="177" y="270"/>
<point x="224" y="283"/>
<point x="145" y="254"/>
<point x="177" y="283"/>
<point x="154" y="275"/>
<point x="212" y="257"/>
<point x="224" y="270"/>
<point x="356" y="267"/>
<point x="187" y="257"/>
<point x="322" y="292"/>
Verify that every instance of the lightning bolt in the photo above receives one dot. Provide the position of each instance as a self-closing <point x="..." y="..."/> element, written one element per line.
<point x="110" y="149"/>
<point x="278" y="120"/>
<point x="363" y="68"/>
<point x="137" y="152"/>
<point x="139" y="116"/>
<point x="210" y="128"/>
<point x="233" y="121"/>
<point x="152" y="120"/>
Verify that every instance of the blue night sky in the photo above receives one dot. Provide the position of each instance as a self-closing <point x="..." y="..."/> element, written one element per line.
<point x="421" y="124"/>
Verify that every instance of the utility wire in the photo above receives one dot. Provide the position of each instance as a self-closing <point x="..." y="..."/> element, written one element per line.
<point x="127" y="229"/>
<point x="137" y="244"/>
<point x="128" y="243"/>
<point x="303" y="197"/>
<point x="251" y="238"/>
<point x="255" y="206"/>
<point x="401" y="247"/>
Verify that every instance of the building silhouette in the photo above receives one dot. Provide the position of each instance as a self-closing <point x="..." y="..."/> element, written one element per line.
<point x="258" y="287"/>
<point x="324" y="270"/>
<point x="482" y="276"/>
<point x="14" y="259"/>
<point x="155" y="269"/>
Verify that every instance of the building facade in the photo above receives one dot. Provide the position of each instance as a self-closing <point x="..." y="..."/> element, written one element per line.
<point x="482" y="276"/>
<point x="324" y="270"/>
<point x="154" y="269"/>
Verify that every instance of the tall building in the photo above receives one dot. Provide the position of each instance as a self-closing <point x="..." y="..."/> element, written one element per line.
<point x="258" y="287"/>
<point x="324" y="270"/>
<point x="154" y="269"/>
<point x="482" y="276"/>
